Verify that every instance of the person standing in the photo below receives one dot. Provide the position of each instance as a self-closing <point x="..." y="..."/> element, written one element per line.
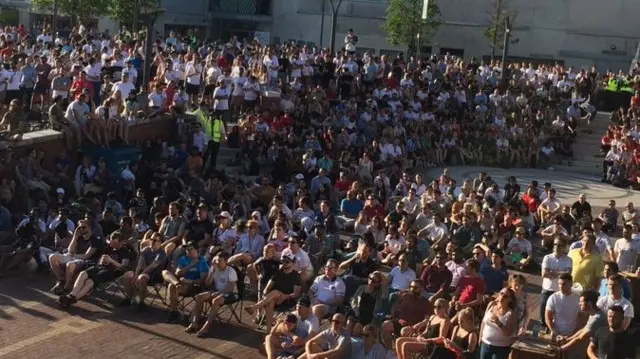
<point x="218" y="128"/>
<point x="563" y="306"/>
<point x="613" y="341"/>
<point x="587" y="263"/>
<point x="553" y="265"/>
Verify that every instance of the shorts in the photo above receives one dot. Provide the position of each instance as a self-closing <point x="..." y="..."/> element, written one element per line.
<point x="231" y="298"/>
<point x="101" y="274"/>
<point x="40" y="90"/>
<point x="192" y="89"/>
<point x="68" y="258"/>
<point x="208" y="89"/>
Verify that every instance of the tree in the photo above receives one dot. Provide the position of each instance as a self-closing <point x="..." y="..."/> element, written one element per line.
<point x="75" y="9"/>
<point x="127" y="12"/>
<point x="495" y="31"/>
<point x="404" y="22"/>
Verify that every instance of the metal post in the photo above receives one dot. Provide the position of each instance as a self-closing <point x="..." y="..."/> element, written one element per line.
<point x="494" y="38"/>
<point x="136" y="10"/>
<point x="505" y="52"/>
<point x="419" y="41"/>
<point x="54" y="22"/>
<point x="323" y="7"/>
<point x="334" y="24"/>
<point x="148" y="51"/>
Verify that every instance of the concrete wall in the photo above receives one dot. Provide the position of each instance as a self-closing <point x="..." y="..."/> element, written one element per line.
<point x="580" y="32"/>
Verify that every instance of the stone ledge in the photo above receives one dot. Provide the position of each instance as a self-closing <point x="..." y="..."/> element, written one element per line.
<point x="40" y="136"/>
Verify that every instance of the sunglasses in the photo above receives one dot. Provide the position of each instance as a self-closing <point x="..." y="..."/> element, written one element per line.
<point x="477" y="253"/>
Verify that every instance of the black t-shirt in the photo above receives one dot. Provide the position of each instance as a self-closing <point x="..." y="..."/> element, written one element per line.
<point x="268" y="267"/>
<point x="362" y="269"/>
<point x="285" y="282"/>
<point x="93" y="242"/>
<point x="367" y="306"/>
<point x="120" y="254"/>
<point x="198" y="229"/>
<point x="619" y="345"/>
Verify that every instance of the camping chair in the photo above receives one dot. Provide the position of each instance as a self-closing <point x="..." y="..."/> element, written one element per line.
<point x="158" y="285"/>
<point x="235" y="307"/>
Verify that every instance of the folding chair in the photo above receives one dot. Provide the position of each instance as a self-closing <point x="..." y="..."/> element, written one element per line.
<point x="188" y="299"/>
<point x="235" y="307"/>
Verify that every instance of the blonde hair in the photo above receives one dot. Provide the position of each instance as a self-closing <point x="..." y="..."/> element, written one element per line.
<point x="468" y="314"/>
<point x="441" y="303"/>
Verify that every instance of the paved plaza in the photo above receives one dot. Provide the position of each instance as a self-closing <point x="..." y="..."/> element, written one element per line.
<point x="568" y="185"/>
<point x="32" y="324"/>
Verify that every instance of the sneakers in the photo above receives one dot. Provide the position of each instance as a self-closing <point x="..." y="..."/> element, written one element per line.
<point x="58" y="289"/>
<point x="126" y="302"/>
<point x="67" y="300"/>
<point x="173" y="316"/>
<point x="142" y="307"/>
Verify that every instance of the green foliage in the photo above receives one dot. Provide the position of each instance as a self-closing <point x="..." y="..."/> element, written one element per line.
<point x="74" y="8"/>
<point x="124" y="11"/>
<point x="403" y="20"/>
<point x="497" y="16"/>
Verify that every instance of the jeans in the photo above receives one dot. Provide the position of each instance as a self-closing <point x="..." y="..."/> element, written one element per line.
<point x="544" y="297"/>
<point x="488" y="351"/>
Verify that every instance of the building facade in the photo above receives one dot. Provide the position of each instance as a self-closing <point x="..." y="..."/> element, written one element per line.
<point x="574" y="32"/>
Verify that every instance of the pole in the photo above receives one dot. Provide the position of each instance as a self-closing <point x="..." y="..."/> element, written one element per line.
<point x="54" y="22"/>
<point x="323" y="7"/>
<point x="136" y="10"/>
<point x="148" y="51"/>
<point x="496" y="23"/>
<point x="505" y="51"/>
<point x="334" y="23"/>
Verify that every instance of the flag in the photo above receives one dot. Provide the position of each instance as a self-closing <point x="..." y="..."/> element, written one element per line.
<point x="425" y="9"/>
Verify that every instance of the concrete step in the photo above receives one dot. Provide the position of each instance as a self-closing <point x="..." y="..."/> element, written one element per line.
<point x="579" y="166"/>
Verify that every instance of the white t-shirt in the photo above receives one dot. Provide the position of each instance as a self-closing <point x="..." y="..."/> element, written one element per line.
<point x="14" y="80"/>
<point x="251" y="91"/>
<point x="195" y="73"/>
<point x="124" y="87"/>
<point x="555" y="264"/>
<point x="309" y="325"/>
<point x="80" y="111"/>
<point x="626" y="252"/>
<point x="222" y="278"/>
<point x="272" y="65"/>
<point x="303" y="263"/>
<point x="156" y="99"/>
<point x="326" y="290"/>
<point x="238" y="86"/>
<point x="401" y="280"/>
<point x="519" y="246"/>
<point x="604" y="303"/>
<point x="221" y="103"/>
<point x="565" y="310"/>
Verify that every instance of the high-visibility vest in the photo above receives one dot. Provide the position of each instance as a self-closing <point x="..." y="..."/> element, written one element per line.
<point x="612" y="85"/>
<point x="217" y="130"/>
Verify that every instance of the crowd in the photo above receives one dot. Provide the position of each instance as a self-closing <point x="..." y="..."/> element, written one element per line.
<point x="339" y="151"/>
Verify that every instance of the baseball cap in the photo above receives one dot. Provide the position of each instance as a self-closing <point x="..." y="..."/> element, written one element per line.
<point x="191" y="245"/>
<point x="225" y="214"/>
<point x="304" y="302"/>
<point x="299" y="176"/>
<point x="289" y="257"/>
<point x="60" y="191"/>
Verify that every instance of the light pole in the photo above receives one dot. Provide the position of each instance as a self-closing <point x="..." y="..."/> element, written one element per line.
<point x="323" y="6"/>
<point x="54" y="22"/>
<point x="505" y="52"/>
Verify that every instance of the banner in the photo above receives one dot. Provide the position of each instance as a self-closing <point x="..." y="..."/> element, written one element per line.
<point x="425" y="9"/>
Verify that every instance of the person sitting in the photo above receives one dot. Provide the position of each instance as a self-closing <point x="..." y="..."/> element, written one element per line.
<point x="360" y="266"/>
<point x="281" y="290"/>
<point x="283" y="336"/>
<point x="112" y="264"/>
<point x="250" y="246"/>
<point x="369" y="346"/>
<point x="307" y="326"/>
<point x="519" y="251"/>
<point x="410" y="309"/>
<point x="191" y="271"/>
<point x="434" y="326"/>
<point x="436" y="278"/>
<point x="327" y="291"/>
<point x="463" y="341"/>
<point x="552" y="231"/>
<point x="400" y="278"/>
<point x="469" y="292"/>
<point x="302" y="261"/>
<point x="368" y="300"/>
<point x="263" y="269"/>
<point x="333" y="342"/>
<point x="12" y="120"/>
<point x="83" y="251"/>
<point x="148" y="271"/>
<point x="221" y="285"/>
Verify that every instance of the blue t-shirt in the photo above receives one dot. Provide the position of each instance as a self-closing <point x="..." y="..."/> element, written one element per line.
<point x="196" y="272"/>
<point x="351" y="207"/>
<point x="494" y="278"/>
<point x="603" y="290"/>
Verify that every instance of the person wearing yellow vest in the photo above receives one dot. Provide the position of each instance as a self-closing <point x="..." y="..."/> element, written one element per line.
<point x="218" y="131"/>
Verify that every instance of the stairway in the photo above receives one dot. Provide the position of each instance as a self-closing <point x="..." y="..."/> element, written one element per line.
<point x="226" y="155"/>
<point x="586" y="147"/>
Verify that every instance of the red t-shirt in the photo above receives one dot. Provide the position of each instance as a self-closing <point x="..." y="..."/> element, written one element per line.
<point x="531" y="202"/>
<point x="343" y="186"/>
<point x="470" y="287"/>
<point x="372" y="211"/>
<point x="80" y="85"/>
<point x="169" y="92"/>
